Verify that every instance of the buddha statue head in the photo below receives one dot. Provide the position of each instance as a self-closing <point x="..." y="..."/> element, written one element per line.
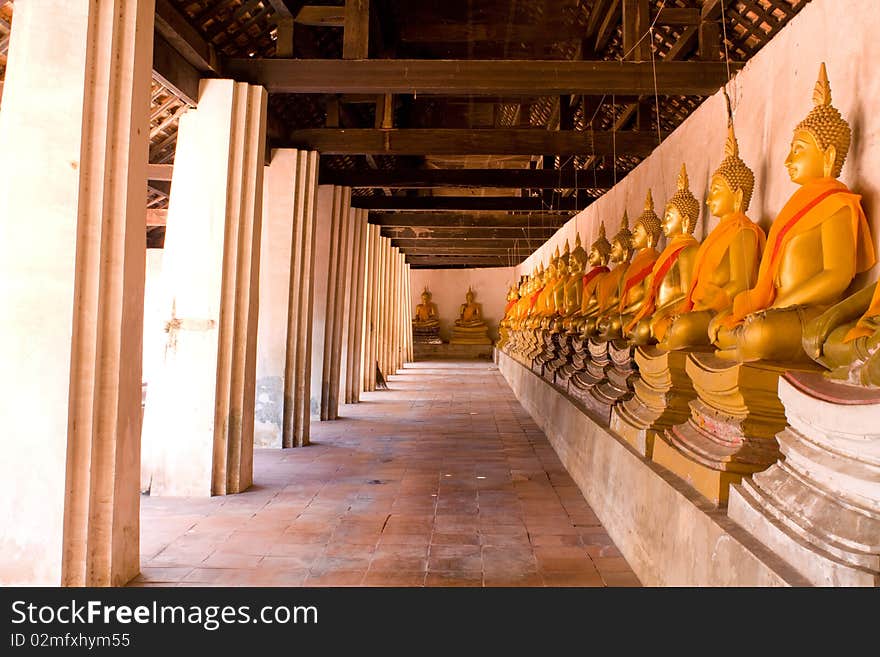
<point x="600" y="250"/>
<point x="469" y="296"/>
<point x="732" y="184"/>
<point x="682" y="210"/>
<point x="821" y="141"/>
<point x="646" y="233"/>
<point x="562" y="261"/>
<point x="622" y="243"/>
<point x="577" y="261"/>
<point x="550" y="272"/>
<point x="426" y="296"/>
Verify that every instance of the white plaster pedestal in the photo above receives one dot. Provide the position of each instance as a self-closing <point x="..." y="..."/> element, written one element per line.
<point x="819" y="507"/>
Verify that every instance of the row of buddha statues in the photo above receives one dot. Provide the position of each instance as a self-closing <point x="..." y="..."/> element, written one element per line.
<point x="685" y="351"/>
<point x="469" y="328"/>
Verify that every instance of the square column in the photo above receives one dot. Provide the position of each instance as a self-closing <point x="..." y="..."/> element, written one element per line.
<point x="325" y="206"/>
<point x="199" y="420"/>
<point x="73" y="151"/>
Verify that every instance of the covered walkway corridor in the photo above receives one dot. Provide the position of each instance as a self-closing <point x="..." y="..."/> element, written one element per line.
<point x="444" y="480"/>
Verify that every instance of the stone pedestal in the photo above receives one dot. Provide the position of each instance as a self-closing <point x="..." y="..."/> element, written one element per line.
<point x="199" y="420"/>
<point x="819" y="507"/>
<point x="563" y="357"/>
<point x="617" y="384"/>
<point x="581" y="383"/>
<point x="426" y="335"/>
<point x="732" y="426"/>
<point x="73" y="152"/>
<point x="547" y="352"/>
<point x="578" y="358"/>
<point x="661" y="395"/>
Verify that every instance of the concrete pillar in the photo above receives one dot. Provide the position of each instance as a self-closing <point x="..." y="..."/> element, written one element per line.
<point x="407" y="300"/>
<point x="276" y="280"/>
<point x="395" y="310"/>
<point x="335" y="304"/>
<point x="297" y="377"/>
<point x="73" y="151"/>
<point x="366" y="319"/>
<point x="383" y="305"/>
<point x="325" y="207"/>
<point x="200" y="422"/>
<point x="286" y="260"/>
<point x="356" y="306"/>
<point x="154" y="344"/>
<point x="346" y="282"/>
<point x="373" y="336"/>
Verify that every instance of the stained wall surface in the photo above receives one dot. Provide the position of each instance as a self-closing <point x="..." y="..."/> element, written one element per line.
<point x="448" y="287"/>
<point x="770" y="96"/>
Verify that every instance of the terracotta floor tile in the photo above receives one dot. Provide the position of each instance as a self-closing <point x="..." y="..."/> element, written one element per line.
<point x="396" y="578"/>
<point x="443" y="480"/>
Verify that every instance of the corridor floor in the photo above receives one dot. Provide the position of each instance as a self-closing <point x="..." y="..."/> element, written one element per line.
<point x="444" y="480"/>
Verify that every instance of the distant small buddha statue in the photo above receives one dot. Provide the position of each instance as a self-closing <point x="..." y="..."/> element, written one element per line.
<point x="645" y="235"/>
<point x="726" y="262"/>
<point x="546" y="304"/>
<point x="425" y="324"/>
<point x="816" y="245"/>
<point x="670" y="277"/>
<point x="470" y="328"/>
<point x="609" y="285"/>
<point x="504" y="326"/>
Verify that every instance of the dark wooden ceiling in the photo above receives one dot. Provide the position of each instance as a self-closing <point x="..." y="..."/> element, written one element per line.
<point x="478" y="126"/>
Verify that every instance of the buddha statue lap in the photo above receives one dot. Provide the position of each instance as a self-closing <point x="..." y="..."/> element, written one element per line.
<point x="470" y="328"/>
<point x="426" y="324"/>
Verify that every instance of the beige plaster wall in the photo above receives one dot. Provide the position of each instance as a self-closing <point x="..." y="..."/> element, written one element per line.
<point x="770" y="96"/>
<point x="448" y="287"/>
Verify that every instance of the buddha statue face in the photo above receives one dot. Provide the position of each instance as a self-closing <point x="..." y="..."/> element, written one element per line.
<point x="639" y="236"/>
<point x="426" y="297"/>
<point x="673" y="222"/>
<point x="469" y="297"/>
<point x="618" y="251"/>
<point x="722" y="199"/>
<point x="806" y="161"/>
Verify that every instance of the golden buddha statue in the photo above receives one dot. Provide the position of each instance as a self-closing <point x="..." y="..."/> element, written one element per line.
<point x="725" y="264"/>
<point x="426" y="324"/>
<point x="545" y="305"/>
<point x="670" y="277"/>
<point x="574" y="286"/>
<point x="819" y="241"/>
<point x="470" y="328"/>
<point x="608" y="285"/>
<point x="505" y="324"/>
<point x="562" y="277"/>
<point x="645" y="235"/>
<point x="597" y="259"/>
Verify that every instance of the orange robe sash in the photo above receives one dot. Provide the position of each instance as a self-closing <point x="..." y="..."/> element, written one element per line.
<point x="607" y="284"/>
<point x="807" y="208"/>
<point x="589" y="276"/>
<point x="638" y="270"/>
<point x="711" y="253"/>
<point x="534" y="298"/>
<point x="662" y="265"/>
<point x="510" y="304"/>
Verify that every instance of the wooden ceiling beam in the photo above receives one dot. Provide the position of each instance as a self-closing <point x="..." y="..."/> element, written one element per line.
<point x="483" y="203"/>
<point x="527" y="220"/>
<point x="181" y="35"/>
<point x="452" y="244"/>
<point x="468" y="178"/>
<point x="478" y="77"/>
<point x="500" y="141"/>
<point x="356" y="32"/>
<point x="319" y="16"/>
<point x="407" y="232"/>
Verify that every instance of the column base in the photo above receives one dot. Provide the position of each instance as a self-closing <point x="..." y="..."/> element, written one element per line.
<point x="732" y="425"/>
<point x="819" y="508"/>
<point x="660" y="400"/>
